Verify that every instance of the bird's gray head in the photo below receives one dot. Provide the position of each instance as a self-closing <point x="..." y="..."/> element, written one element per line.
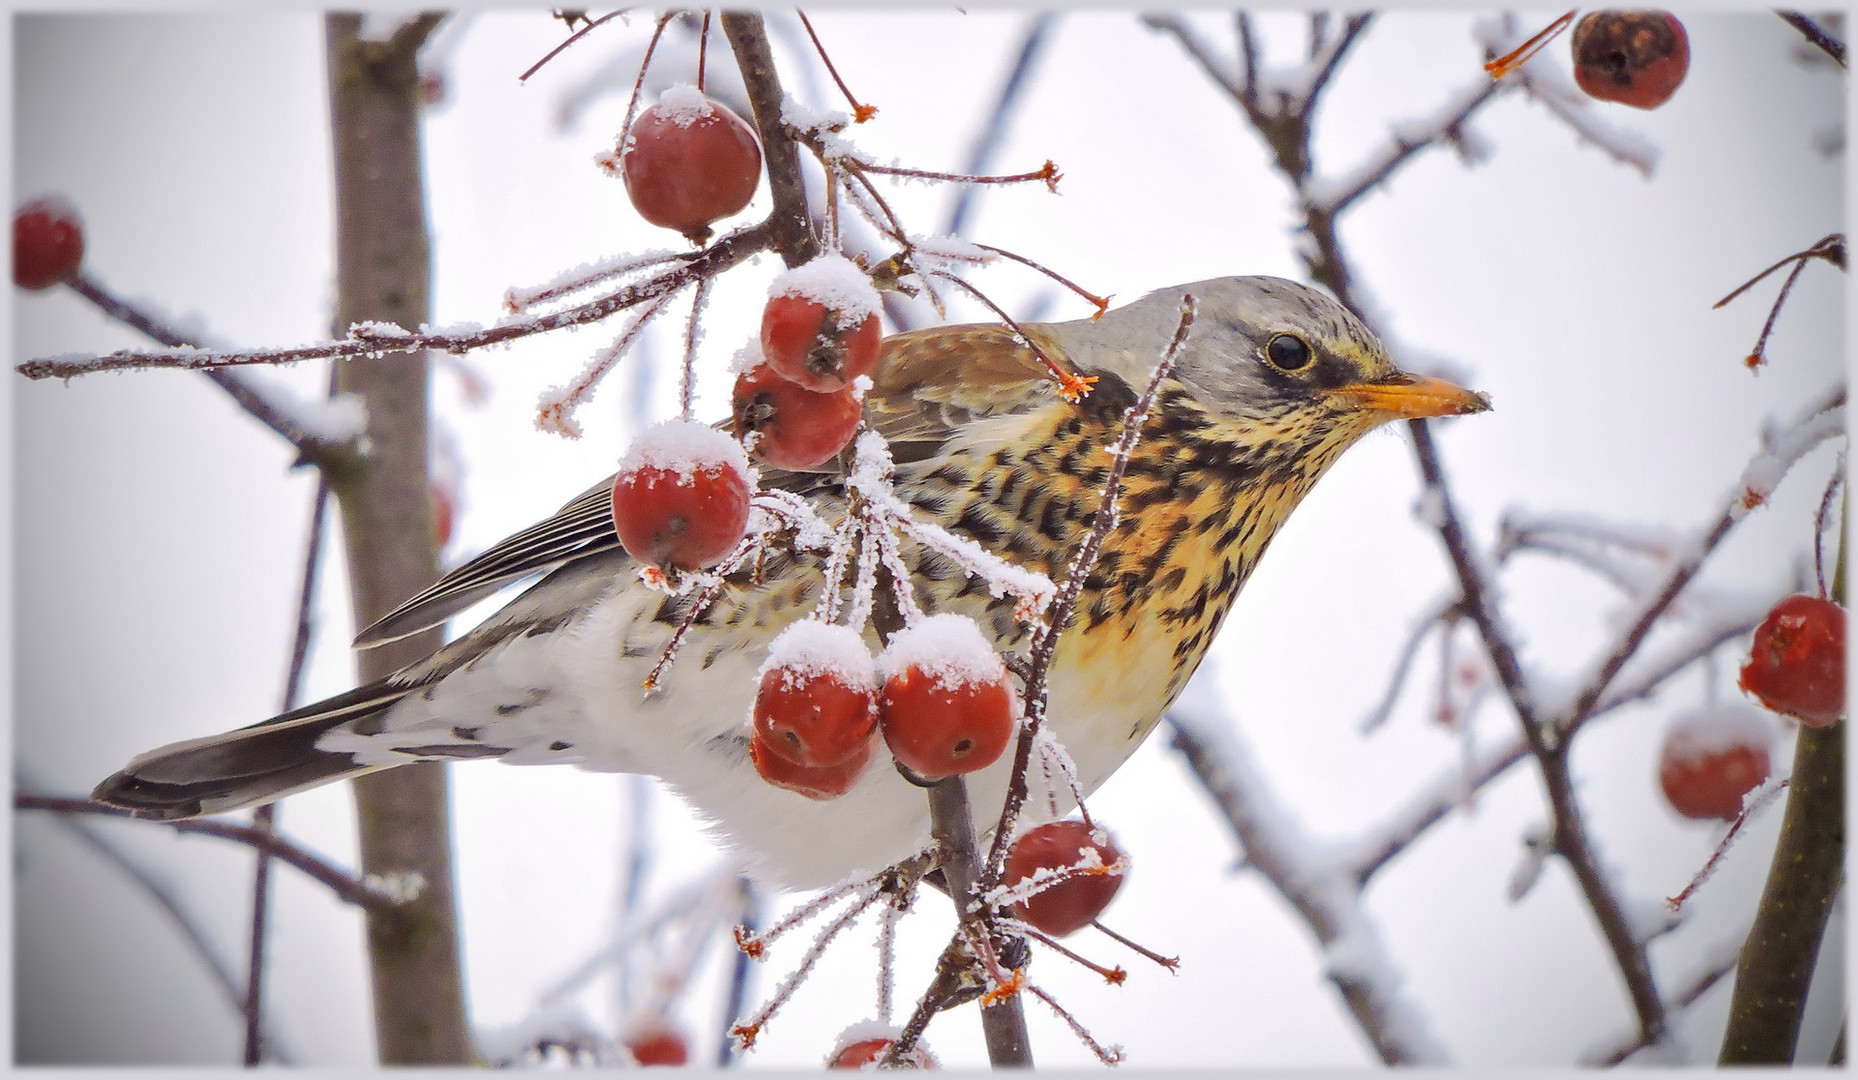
<point x="1262" y="347"/>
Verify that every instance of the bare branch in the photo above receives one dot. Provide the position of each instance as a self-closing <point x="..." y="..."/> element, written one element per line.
<point x="1815" y="34"/>
<point x="350" y="889"/>
<point x="1326" y="896"/>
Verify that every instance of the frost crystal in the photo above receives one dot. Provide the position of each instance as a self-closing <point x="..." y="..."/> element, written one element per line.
<point x="683" y="104"/>
<point x="946" y="647"/>
<point x="813" y="648"/>
<point x="684" y="447"/>
<point x="833" y="282"/>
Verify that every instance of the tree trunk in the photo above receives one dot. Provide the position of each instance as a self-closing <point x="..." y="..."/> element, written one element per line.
<point x="383" y="271"/>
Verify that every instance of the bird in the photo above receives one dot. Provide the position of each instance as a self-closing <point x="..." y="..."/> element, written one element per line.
<point x="1274" y="381"/>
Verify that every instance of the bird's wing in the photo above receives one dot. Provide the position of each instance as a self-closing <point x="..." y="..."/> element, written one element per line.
<point x="934" y="383"/>
<point x="929" y="384"/>
<point x="584" y="526"/>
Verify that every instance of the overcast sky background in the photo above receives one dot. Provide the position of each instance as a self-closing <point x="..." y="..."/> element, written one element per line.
<point x="158" y="532"/>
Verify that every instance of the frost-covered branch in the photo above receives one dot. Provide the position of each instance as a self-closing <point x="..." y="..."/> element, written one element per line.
<point x="1446" y="125"/>
<point x="376" y="339"/>
<point x="1326" y="892"/>
<point x="1821" y="422"/>
<point x="316" y="429"/>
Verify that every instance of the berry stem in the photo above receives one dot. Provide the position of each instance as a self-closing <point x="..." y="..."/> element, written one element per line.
<point x="571" y="39"/>
<point x="860" y="111"/>
<point x="1520" y="55"/>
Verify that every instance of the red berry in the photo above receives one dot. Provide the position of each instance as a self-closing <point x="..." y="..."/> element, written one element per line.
<point x="1796" y="664"/>
<point x="1636" y="58"/>
<point x="1070" y="903"/>
<point x="48" y="243"/>
<point x="653" y="1044"/>
<point x="817" y="703"/>
<point x="820" y="326"/>
<point x="861" y="1045"/>
<point x="681" y="498"/>
<point x="443" y="513"/>
<point x="689" y="161"/>
<point x="798" y="429"/>
<point x="1713" y="758"/>
<point x="819" y="784"/>
<point x="947" y="706"/>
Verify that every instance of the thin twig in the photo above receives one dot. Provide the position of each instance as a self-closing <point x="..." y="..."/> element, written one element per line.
<point x="572" y="38"/>
<point x="347" y="888"/>
<point x="265" y="817"/>
<point x="987" y="140"/>
<point x="860" y="111"/>
<point x="1815" y="34"/>
<point x="1044" y="642"/>
<point x="310" y="445"/>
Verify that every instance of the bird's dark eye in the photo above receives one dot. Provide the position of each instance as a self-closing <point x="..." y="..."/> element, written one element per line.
<point x="1288" y="352"/>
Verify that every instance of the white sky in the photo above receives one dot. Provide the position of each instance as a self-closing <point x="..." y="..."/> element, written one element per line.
<point x="157" y="531"/>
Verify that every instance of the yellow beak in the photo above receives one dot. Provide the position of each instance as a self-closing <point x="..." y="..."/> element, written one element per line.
<point x="1409" y="397"/>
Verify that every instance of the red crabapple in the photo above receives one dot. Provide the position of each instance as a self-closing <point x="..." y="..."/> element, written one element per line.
<point x="1636" y="58"/>
<point x="1712" y="758"/>
<point x="681" y="498"/>
<point x="1796" y="662"/>
<point x="48" y="243"/>
<point x="656" y="1042"/>
<point x="820" y="327"/>
<point x="797" y="428"/>
<point x="1070" y="903"/>
<point x="819" y="784"/>
<point x="861" y="1045"/>
<point x="947" y="705"/>
<point x="817" y="700"/>
<point x="689" y="161"/>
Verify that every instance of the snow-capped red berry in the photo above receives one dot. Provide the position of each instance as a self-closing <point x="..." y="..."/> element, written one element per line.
<point x="947" y="705"/>
<point x="820" y="326"/>
<point x="1796" y="662"/>
<point x="819" y="784"/>
<point x="862" y="1044"/>
<point x="1636" y="58"/>
<point x="656" y="1042"/>
<point x="1084" y="865"/>
<point x="817" y="700"/>
<point x="797" y="428"/>
<point x="689" y="161"/>
<point x="681" y="498"/>
<point x="1712" y="758"/>
<point x="48" y="243"/>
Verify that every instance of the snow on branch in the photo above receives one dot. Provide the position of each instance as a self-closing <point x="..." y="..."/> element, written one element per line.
<point x="1821" y="421"/>
<point x="1325" y="890"/>
<point x="1445" y="125"/>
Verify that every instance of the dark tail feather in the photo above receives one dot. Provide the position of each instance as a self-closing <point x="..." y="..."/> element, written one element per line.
<point x="248" y="767"/>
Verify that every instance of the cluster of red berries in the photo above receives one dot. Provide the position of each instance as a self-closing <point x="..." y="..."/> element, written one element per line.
<point x="939" y="697"/>
<point x="799" y="404"/>
<point x="48" y="243"/>
<point x="1795" y="667"/>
